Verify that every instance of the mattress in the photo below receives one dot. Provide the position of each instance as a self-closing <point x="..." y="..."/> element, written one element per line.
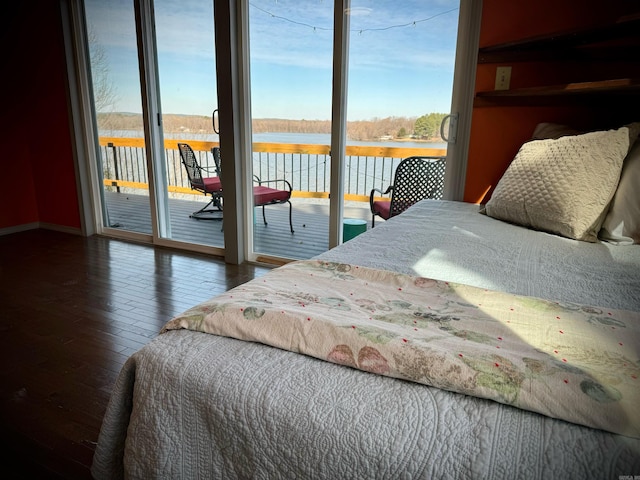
<point x="452" y="241"/>
<point x="194" y="405"/>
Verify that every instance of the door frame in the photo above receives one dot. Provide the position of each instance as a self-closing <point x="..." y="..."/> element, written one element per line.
<point x="464" y="79"/>
<point x="85" y="130"/>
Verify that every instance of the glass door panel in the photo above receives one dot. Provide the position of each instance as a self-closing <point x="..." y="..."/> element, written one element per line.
<point x="291" y="60"/>
<point x="115" y="81"/>
<point x="186" y="70"/>
<point x="401" y="65"/>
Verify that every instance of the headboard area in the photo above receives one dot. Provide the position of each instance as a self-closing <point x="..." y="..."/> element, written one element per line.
<point x="577" y="67"/>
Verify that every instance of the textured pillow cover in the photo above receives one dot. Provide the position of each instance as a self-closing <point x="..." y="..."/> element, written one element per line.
<point x="562" y="185"/>
<point x="622" y="223"/>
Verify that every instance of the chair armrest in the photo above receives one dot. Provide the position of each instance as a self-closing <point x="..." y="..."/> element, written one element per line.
<point x="380" y="192"/>
<point x="281" y="180"/>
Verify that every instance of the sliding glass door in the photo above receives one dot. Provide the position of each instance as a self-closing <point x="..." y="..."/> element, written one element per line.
<point x="399" y="64"/>
<point x="327" y="98"/>
<point x="184" y="32"/>
<point x="153" y="83"/>
<point x="117" y="102"/>
<point x="291" y="62"/>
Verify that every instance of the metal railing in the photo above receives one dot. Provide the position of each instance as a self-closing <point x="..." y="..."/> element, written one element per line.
<point x="307" y="167"/>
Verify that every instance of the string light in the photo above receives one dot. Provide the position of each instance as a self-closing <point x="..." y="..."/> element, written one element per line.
<point x="410" y="24"/>
<point x="313" y="27"/>
<point x="361" y="30"/>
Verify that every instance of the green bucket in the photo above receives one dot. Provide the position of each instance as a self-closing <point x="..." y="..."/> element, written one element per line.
<point x="352" y="227"/>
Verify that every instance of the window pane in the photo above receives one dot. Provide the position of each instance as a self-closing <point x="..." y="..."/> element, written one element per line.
<point x="118" y="109"/>
<point x="186" y="66"/>
<point x="291" y="55"/>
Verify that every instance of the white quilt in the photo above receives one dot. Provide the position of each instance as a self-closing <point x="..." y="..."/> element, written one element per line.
<point x="451" y="241"/>
<point x="193" y="405"/>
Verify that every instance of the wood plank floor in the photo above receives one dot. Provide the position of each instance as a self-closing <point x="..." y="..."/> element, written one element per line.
<point x="72" y="310"/>
<point x="310" y="223"/>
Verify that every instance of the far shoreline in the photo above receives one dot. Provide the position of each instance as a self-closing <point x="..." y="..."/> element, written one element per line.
<point x="380" y="130"/>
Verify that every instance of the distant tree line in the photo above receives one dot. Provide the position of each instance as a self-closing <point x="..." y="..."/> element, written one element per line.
<point x="426" y="127"/>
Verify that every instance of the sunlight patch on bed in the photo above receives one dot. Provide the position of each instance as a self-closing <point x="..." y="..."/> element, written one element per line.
<point x="440" y="265"/>
<point x="591" y="344"/>
<point x="466" y="233"/>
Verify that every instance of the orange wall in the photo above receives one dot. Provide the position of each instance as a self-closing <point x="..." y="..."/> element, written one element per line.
<point x="497" y="132"/>
<point x="38" y="182"/>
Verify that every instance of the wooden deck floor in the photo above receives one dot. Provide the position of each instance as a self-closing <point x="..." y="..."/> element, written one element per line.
<point x="310" y="223"/>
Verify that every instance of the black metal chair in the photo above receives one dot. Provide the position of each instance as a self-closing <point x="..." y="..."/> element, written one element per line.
<point x="262" y="194"/>
<point x="415" y="179"/>
<point x="209" y="185"/>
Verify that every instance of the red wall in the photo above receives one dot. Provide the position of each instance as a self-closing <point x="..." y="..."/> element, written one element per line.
<point x="38" y="183"/>
<point x="497" y="132"/>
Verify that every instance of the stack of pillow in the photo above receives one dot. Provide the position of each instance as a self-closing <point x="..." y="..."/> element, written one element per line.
<point x="584" y="186"/>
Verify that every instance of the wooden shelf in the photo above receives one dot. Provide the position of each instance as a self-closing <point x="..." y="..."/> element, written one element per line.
<point x="607" y="87"/>
<point x="619" y="42"/>
<point x="623" y="92"/>
<point x="579" y="44"/>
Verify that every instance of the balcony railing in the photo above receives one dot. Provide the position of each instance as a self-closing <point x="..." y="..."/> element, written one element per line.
<point x="306" y="166"/>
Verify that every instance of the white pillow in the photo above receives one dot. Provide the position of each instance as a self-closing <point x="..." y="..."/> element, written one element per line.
<point x="622" y="224"/>
<point x="562" y="185"/>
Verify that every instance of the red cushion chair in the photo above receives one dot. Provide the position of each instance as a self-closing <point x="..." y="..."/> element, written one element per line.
<point x="381" y="208"/>
<point x="264" y="195"/>
<point x="212" y="184"/>
<point x="207" y="185"/>
<point x="415" y="179"/>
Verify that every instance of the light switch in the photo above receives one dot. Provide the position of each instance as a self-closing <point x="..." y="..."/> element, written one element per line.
<point x="503" y="78"/>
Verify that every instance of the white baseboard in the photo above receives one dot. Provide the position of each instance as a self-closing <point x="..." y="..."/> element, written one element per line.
<point x="19" y="228"/>
<point x="35" y="225"/>
<point x="61" y="228"/>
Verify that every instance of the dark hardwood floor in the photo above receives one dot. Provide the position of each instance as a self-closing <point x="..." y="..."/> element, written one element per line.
<point x="72" y="310"/>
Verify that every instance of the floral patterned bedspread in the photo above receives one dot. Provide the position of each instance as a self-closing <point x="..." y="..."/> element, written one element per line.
<point x="567" y="361"/>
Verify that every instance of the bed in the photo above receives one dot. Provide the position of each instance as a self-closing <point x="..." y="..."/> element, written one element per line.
<point x="443" y="343"/>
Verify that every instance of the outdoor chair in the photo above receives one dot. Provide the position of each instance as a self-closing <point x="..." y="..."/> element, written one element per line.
<point x="205" y="184"/>
<point x="264" y="195"/>
<point x="415" y="179"/>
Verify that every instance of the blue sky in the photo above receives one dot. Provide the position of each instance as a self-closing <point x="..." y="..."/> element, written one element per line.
<point x="401" y="56"/>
